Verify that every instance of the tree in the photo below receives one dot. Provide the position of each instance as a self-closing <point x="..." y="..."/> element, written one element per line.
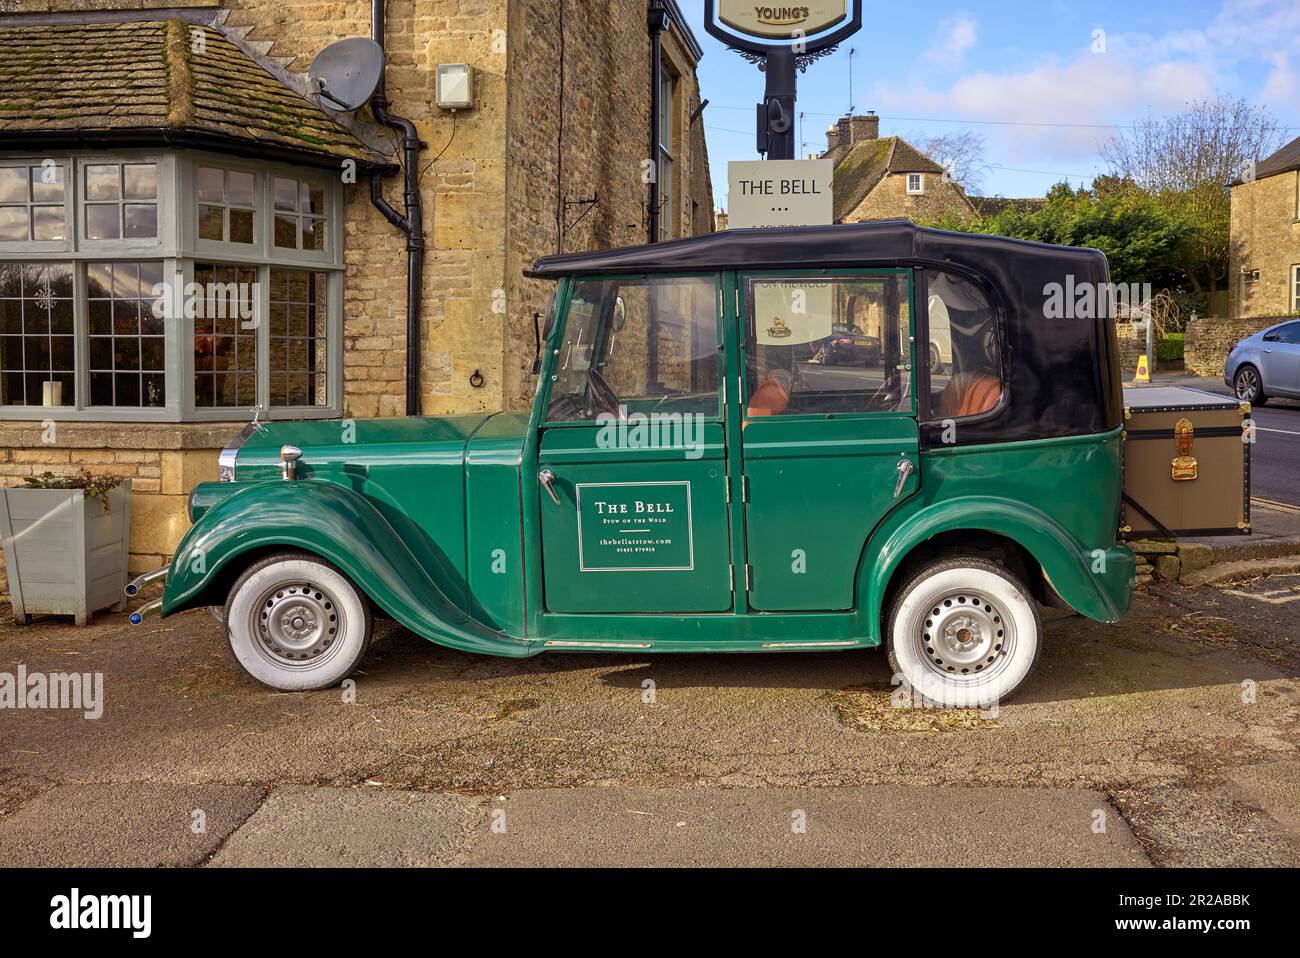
<point x="1186" y="161"/>
<point x="1141" y="237"/>
<point x="962" y="154"/>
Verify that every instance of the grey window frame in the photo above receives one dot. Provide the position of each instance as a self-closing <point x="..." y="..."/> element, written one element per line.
<point x="21" y="247"/>
<point x="178" y="248"/>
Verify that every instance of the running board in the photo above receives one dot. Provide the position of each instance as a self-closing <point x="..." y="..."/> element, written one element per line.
<point x="599" y="645"/>
<point x="810" y="645"/>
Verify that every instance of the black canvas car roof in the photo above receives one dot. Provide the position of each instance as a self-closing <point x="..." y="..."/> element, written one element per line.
<point x="806" y="247"/>
<point x="1061" y="373"/>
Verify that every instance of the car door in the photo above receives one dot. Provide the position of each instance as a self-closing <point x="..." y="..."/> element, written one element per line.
<point x="1280" y="357"/>
<point x="632" y="453"/>
<point x="827" y="449"/>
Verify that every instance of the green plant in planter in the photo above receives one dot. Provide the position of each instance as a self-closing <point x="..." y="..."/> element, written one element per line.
<point x="96" y="487"/>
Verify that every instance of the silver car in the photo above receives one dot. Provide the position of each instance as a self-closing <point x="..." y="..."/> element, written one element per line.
<point x="1266" y="364"/>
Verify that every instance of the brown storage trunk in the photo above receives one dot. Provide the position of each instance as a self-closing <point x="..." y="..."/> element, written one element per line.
<point x="1186" y="464"/>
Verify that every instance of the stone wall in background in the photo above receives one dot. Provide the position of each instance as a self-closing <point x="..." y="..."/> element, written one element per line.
<point x="1265" y="237"/>
<point x="591" y="140"/>
<point x="1131" y="346"/>
<point x="890" y="200"/>
<point x="1209" y="340"/>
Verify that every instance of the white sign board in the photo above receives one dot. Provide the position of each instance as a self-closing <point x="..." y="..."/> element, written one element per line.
<point x="792" y="312"/>
<point x="769" y="193"/>
<point x="782" y="21"/>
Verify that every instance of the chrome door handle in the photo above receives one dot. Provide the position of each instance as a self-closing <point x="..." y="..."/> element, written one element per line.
<point x="547" y="479"/>
<point x="905" y="469"/>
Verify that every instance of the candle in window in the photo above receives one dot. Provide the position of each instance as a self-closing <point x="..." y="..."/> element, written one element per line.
<point x="52" y="394"/>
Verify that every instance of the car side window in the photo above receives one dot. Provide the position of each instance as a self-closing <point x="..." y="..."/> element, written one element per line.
<point x="964" y="353"/>
<point x="827" y="344"/>
<point x="638" y="346"/>
<point x="1289" y="334"/>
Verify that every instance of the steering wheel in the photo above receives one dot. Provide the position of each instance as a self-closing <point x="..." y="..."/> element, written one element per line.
<point x="602" y="396"/>
<point x="886" y="397"/>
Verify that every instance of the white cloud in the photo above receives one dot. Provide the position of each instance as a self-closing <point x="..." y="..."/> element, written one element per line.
<point x="956" y="35"/>
<point x="1283" y="84"/>
<point x="1083" y="93"/>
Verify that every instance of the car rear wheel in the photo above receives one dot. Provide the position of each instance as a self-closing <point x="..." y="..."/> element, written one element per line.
<point x="936" y="359"/>
<point x="296" y="623"/>
<point x="1249" y="386"/>
<point x="963" y="633"/>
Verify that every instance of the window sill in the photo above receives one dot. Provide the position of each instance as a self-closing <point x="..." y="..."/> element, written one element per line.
<point x="119" y="435"/>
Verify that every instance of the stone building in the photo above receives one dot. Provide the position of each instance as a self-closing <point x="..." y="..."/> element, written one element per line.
<point x="180" y="140"/>
<point x="886" y="179"/>
<point x="1264" y="256"/>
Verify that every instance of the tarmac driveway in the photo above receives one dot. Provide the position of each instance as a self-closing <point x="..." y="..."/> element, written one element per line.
<point x="1168" y="739"/>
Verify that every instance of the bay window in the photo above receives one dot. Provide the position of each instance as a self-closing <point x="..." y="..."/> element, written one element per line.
<point x="168" y="287"/>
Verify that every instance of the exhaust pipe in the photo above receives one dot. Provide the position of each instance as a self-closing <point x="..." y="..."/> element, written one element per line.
<point x="138" y="583"/>
<point x="139" y="614"/>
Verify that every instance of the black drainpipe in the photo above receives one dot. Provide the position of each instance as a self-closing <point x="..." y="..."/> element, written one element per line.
<point x="412" y="224"/>
<point x="657" y="19"/>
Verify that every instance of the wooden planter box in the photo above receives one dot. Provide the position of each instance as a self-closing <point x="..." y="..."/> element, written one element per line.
<point x="64" y="554"/>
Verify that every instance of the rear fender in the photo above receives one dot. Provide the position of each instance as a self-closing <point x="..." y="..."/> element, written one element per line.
<point x="340" y="526"/>
<point x="1095" y="579"/>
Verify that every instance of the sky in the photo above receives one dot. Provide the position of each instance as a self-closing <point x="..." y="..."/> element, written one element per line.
<point x="1046" y="83"/>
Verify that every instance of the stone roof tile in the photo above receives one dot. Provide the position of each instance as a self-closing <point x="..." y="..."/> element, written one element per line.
<point x="152" y="75"/>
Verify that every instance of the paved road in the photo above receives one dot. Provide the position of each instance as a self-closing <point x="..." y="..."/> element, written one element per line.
<point x="1142" y="727"/>
<point x="1275" y="460"/>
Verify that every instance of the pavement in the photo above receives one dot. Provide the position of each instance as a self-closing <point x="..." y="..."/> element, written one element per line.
<point x="1169" y="739"/>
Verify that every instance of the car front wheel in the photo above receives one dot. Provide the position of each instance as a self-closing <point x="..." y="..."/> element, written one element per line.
<point x="963" y="633"/>
<point x="936" y="359"/>
<point x="296" y="623"/>
<point x="1249" y="387"/>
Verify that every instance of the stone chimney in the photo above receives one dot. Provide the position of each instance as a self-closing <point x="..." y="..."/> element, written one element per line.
<point x="832" y="137"/>
<point x="845" y="131"/>
<point x="863" y="128"/>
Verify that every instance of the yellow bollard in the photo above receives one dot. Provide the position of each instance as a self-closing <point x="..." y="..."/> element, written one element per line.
<point x="1143" y="371"/>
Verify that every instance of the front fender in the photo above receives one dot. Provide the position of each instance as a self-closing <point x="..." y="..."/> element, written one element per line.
<point x="342" y="527"/>
<point x="1095" y="579"/>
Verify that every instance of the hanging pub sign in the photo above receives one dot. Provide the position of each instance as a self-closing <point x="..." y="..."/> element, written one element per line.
<point x="754" y="26"/>
<point x="782" y="21"/>
<point x="783" y="39"/>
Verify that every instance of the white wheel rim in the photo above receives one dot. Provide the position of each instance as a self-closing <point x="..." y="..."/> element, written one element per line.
<point x="964" y="634"/>
<point x="1247" y="384"/>
<point x="296" y="624"/>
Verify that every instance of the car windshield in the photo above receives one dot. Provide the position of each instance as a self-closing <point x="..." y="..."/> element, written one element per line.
<point x="638" y="345"/>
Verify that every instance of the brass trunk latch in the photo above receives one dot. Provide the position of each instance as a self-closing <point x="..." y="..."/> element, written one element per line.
<point x="1184" y="465"/>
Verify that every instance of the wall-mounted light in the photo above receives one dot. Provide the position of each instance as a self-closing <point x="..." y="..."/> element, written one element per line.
<point x="455" y="86"/>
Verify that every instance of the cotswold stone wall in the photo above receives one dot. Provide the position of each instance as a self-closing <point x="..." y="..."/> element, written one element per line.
<point x="589" y="138"/>
<point x="890" y="200"/>
<point x="1208" y="341"/>
<point x="1131" y="346"/>
<point x="463" y="188"/>
<point x="1265" y="237"/>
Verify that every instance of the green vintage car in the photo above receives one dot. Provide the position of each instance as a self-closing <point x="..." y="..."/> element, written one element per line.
<point x="691" y="479"/>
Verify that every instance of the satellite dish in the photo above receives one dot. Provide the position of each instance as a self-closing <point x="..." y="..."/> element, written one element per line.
<point x="346" y="74"/>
